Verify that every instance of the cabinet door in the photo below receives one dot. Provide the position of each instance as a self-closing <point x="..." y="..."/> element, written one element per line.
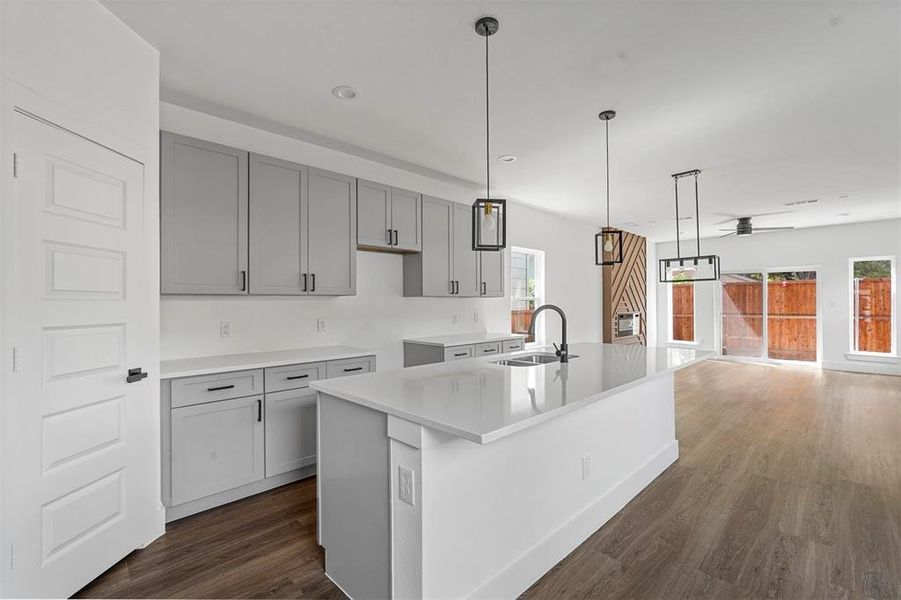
<point x="491" y="272"/>
<point x="373" y="214"/>
<point x="203" y="217"/>
<point x="466" y="261"/>
<point x="290" y="430"/>
<point x="437" y="229"/>
<point x="278" y="191"/>
<point x="406" y="219"/>
<point x="332" y="256"/>
<point x="216" y="446"/>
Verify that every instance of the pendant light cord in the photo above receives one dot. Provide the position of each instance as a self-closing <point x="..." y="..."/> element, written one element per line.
<point x="678" y="245"/>
<point x="697" y="217"/>
<point x="607" y="156"/>
<point x="487" y="129"/>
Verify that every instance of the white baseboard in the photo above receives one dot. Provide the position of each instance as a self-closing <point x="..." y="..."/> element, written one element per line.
<point x="874" y="368"/>
<point x="520" y="574"/>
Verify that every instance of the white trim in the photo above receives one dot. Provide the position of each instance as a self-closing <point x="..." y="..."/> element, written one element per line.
<point x="540" y="290"/>
<point x="861" y="367"/>
<point x="893" y="304"/>
<point x="874" y="357"/>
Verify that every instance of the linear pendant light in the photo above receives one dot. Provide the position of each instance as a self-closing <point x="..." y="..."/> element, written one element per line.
<point x="699" y="267"/>
<point x="608" y="244"/>
<point x="489" y="215"/>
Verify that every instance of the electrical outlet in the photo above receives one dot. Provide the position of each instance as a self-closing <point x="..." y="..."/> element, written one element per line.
<point x="225" y="328"/>
<point x="321" y="325"/>
<point x="455" y="318"/>
<point x="586" y="467"/>
<point x="406" y="484"/>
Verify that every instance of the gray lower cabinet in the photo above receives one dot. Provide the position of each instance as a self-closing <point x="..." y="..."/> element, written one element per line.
<point x="216" y="446"/>
<point x="421" y="353"/>
<point x="447" y="265"/>
<point x="290" y="430"/>
<point x="332" y="234"/>
<point x="278" y="226"/>
<point x="388" y="218"/>
<point x="203" y="217"/>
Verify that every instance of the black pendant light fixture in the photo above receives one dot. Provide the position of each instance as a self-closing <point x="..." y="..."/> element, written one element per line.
<point x="608" y="244"/>
<point x="489" y="215"/>
<point x="699" y="267"/>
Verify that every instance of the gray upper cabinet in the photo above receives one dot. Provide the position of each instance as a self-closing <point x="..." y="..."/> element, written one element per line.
<point x="491" y="272"/>
<point x="203" y="217"/>
<point x="406" y="220"/>
<point x="374" y="214"/>
<point x="388" y="218"/>
<point x="466" y="261"/>
<point x="332" y="227"/>
<point x="278" y="226"/>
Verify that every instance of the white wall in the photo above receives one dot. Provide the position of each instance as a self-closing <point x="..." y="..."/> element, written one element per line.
<point x="824" y="249"/>
<point x="378" y="317"/>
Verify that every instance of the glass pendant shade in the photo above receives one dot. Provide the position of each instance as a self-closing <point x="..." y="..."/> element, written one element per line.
<point x="690" y="268"/>
<point x="608" y="247"/>
<point x="489" y="224"/>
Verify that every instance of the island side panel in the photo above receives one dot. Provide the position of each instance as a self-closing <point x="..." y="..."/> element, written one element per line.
<point x="495" y="517"/>
<point x="354" y="511"/>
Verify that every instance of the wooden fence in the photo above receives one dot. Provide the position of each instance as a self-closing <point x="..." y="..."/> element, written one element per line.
<point x="520" y="321"/>
<point x="791" y="317"/>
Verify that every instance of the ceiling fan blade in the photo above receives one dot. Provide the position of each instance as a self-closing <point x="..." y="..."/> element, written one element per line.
<point x="728" y="234"/>
<point x="737" y="217"/>
<point x="772" y="228"/>
<point x="732" y="229"/>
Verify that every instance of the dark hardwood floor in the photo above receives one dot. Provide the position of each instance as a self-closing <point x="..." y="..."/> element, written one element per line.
<point x="788" y="485"/>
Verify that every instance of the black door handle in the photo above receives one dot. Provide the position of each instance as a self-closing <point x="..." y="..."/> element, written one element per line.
<point x="390" y="241"/>
<point x="484" y="289"/>
<point x="135" y="374"/>
<point x="259" y="411"/>
<point x="304" y="282"/>
<point x="220" y="388"/>
<point x="395" y="237"/>
<point x="243" y="281"/>
<point x="312" y="282"/>
<point x="296" y="377"/>
<point x="353" y="369"/>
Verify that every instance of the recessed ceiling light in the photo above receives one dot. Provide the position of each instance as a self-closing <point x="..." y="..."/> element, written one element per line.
<point x="344" y="92"/>
<point x="507" y="158"/>
<point x="845" y="196"/>
<point x="843" y="214"/>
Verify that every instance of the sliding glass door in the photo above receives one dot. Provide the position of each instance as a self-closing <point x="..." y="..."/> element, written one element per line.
<point x="742" y="314"/>
<point x="770" y="314"/>
<point x="791" y="315"/>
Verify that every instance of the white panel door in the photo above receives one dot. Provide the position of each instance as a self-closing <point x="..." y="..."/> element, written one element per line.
<point x="83" y="477"/>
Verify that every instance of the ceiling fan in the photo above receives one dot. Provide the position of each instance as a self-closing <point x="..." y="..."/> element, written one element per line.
<point x="743" y="228"/>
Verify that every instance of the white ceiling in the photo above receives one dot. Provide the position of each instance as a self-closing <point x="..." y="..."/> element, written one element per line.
<point x="774" y="101"/>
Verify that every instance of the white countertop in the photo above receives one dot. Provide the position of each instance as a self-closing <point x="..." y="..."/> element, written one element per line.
<point x="464" y="339"/>
<point x="481" y="401"/>
<point x="204" y="365"/>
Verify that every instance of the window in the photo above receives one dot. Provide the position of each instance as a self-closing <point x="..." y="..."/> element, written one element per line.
<point x="682" y="311"/>
<point x="527" y="290"/>
<point x="872" y="297"/>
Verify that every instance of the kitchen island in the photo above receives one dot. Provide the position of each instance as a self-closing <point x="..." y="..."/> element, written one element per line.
<point x="473" y="478"/>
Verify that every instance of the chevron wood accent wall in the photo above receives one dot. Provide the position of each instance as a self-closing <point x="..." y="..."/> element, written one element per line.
<point x="625" y="287"/>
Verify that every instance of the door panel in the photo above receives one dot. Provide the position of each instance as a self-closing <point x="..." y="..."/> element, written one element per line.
<point x="86" y="457"/>
<point x="216" y="446"/>
<point x="332" y="200"/>
<point x="466" y="260"/>
<point x="492" y="274"/>
<point x="791" y="316"/>
<point x="406" y="219"/>
<point x="278" y="235"/>
<point x="742" y="308"/>
<point x="203" y="217"/>
<point x="290" y="430"/>
<point x="437" y="266"/>
<point x="373" y="214"/>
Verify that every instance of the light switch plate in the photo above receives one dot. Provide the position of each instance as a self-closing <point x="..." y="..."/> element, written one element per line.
<point x="586" y="467"/>
<point x="321" y="325"/>
<point x="406" y="484"/>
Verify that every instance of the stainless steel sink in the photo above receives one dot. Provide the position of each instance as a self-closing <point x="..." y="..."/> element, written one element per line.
<point x="530" y="360"/>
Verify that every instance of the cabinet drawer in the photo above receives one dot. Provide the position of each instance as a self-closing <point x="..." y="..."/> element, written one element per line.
<point x="187" y="391"/>
<point x="351" y="366"/>
<point x="458" y="353"/>
<point x="513" y="345"/>
<point x="489" y="348"/>
<point x="292" y="377"/>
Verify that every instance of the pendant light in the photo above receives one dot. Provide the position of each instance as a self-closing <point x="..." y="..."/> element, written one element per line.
<point x="699" y="267"/>
<point x="608" y="244"/>
<point x="489" y="215"/>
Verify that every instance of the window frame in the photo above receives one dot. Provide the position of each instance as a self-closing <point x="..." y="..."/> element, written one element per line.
<point x="540" y="290"/>
<point x="893" y="331"/>
<point x="669" y="316"/>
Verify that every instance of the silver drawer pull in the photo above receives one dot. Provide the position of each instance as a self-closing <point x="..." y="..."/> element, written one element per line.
<point x="221" y="387"/>
<point x="290" y="377"/>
